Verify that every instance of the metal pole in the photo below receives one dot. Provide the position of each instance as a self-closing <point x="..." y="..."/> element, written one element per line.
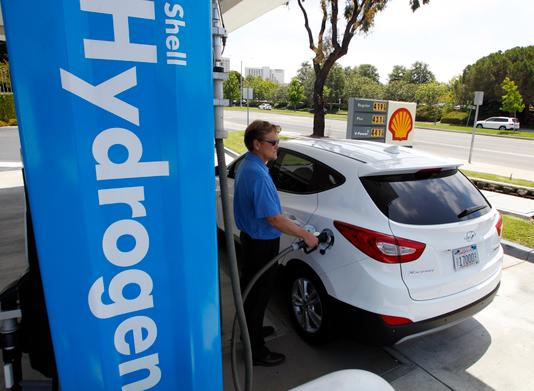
<point x="473" y="135"/>
<point x="241" y="86"/>
<point x="247" y="111"/>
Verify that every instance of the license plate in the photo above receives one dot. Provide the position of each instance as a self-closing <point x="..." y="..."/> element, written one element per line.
<point x="465" y="256"/>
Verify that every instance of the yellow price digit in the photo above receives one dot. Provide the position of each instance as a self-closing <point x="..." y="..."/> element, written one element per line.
<point x="378" y="106"/>
<point x="377" y="132"/>
<point x="378" y="120"/>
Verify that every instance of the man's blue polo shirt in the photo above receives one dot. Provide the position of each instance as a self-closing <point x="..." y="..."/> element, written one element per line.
<point x="255" y="198"/>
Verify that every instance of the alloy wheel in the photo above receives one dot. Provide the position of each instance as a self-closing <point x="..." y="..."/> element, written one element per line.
<point x="306" y="304"/>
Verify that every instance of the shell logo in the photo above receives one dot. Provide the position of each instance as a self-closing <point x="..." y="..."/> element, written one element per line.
<point x="400" y="124"/>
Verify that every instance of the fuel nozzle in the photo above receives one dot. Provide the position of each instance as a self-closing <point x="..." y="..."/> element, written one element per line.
<point x="325" y="238"/>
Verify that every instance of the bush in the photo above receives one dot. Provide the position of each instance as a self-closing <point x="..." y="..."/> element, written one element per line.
<point x="12" y="122"/>
<point x="454" y="118"/>
<point x="427" y="113"/>
<point x="280" y="105"/>
<point x="7" y="107"/>
<point x="2" y="123"/>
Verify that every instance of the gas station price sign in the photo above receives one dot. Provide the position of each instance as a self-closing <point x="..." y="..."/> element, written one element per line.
<point x="367" y="119"/>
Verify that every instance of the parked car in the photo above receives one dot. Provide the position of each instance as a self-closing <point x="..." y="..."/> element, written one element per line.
<point x="417" y="245"/>
<point x="265" y="106"/>
<point x="501" y="123"/>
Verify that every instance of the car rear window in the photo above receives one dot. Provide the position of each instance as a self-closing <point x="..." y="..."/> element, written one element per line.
<point x="426" y="197"/>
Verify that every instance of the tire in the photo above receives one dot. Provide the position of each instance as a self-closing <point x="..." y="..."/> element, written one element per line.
<point x="309" y="306"/>
<point x="502" y="127"/>
<point x="480" y="126"/>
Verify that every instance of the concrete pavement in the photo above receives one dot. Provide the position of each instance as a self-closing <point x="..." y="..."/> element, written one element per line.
<point x="491" y="351"/>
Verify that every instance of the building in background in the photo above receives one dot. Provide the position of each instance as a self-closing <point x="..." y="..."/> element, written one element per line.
<point x="266" y="73"/>
<point x="226" y="64"/>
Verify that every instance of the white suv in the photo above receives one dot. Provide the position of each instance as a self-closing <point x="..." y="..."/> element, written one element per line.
<point x="502" y="123"/>
<point x="417" y="246"/>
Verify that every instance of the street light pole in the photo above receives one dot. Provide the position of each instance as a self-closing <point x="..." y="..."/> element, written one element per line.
<point x="241" y="86"/>
<point x="479" y="98"/>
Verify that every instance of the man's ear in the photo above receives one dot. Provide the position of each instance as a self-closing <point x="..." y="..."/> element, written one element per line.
<point x="256" y="145"/>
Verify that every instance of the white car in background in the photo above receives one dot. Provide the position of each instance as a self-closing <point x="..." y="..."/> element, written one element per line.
<point x="265" y="106"/>
<point x="417" y="245"/>
<point x="502" y="123"/>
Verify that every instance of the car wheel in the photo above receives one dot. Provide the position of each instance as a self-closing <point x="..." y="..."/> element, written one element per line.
<point x="480" y="126"/>
<point x="309" y="306"/>
<point x="502" y="127"/>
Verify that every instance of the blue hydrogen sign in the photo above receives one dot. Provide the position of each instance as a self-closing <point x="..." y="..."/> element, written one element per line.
<point x="114" y="100"/>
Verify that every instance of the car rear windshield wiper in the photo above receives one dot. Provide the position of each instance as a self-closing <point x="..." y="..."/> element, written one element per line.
<point x="471" y="210"/>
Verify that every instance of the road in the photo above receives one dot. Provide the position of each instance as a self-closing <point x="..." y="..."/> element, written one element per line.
<point x="499" y="151"/>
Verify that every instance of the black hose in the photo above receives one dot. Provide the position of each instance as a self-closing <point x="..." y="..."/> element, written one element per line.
<point x="254" y="279"/>
<point x="234" y="273"/>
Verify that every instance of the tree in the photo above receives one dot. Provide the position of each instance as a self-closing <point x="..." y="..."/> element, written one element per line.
<point x="263" y="89"/>
<point x="336" y="84"/>
<point x="398" y="73"/>
<point x="231" y="86"/>
<point x="432" y="94"/>
<point x="358" y="86"/>
<point x="400" y="90"/>
<point x="332" y="44"/>
<point x="488" y="73"/>
<point x="280" y="96"/>
<point x="420" y="74"/>
<point x="512" y="101"/>
<point x="295" y="92"/>
<point x="306" y="77"/>
<point x="369" y="71"/>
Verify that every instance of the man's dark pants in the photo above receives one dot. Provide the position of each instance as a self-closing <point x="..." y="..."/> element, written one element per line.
<point x="256" y="253"/>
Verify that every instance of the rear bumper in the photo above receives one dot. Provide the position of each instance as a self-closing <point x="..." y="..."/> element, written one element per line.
<point x="393" y="334"/>
<point x="373" y="329"/>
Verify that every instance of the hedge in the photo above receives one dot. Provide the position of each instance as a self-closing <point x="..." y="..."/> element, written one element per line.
<point x="454" y="118"/>
<point x="427" y="113"/>
<point x="7" y="107"/>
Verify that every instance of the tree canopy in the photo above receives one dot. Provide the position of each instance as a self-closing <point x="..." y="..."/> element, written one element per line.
<point x="336" y="30"/>
<point x="488" y="73"/>
<point x="512" y="101"/>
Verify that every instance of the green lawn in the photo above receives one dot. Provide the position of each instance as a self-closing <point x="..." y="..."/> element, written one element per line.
<point x="234" y="141"/>
<point x="342" y="115"/>
<point x="466" y="129"/>
<point x="518" y="230"/>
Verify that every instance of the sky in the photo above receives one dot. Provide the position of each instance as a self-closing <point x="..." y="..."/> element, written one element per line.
<point x="448" y="35"/>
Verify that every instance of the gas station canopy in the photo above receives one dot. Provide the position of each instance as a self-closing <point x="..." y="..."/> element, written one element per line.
<point x="237" y="13"/>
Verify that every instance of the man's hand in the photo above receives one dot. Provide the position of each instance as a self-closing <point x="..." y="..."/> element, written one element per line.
<point x="310" y="239"/>
<point x="283" y="224"/>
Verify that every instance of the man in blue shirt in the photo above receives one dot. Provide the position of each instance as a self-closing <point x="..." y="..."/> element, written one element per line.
<point x="258" y="215"/>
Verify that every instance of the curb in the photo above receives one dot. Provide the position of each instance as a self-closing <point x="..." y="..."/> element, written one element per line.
<point x="518" y="251"/>
<point x="505" y="188"/>
<point x="231" y="152"/>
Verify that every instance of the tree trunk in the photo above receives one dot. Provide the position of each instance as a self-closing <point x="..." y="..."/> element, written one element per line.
<point x="318" y="105"/>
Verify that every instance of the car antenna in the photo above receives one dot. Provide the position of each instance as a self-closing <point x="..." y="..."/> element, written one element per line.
<point x="394" y="149"/>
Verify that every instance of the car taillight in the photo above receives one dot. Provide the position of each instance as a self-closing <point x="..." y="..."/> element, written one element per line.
<point x="498" y="226"/>
<point x="379" y="246"/>
<point x="395" y="320"/>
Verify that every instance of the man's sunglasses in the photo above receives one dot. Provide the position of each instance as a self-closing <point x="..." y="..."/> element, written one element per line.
<point x="272" y="142"/>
